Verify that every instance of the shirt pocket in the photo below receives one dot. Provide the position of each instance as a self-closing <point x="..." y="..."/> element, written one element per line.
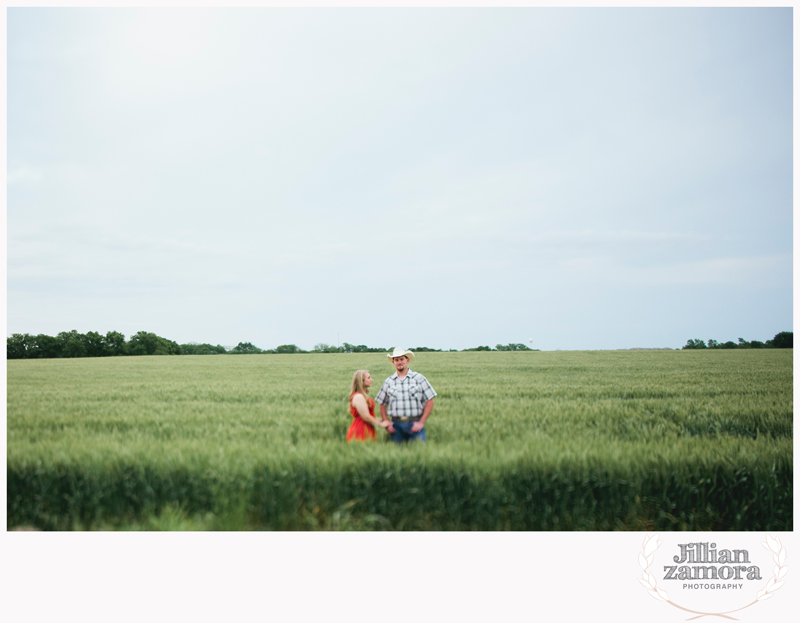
<point x="415" y="391"/>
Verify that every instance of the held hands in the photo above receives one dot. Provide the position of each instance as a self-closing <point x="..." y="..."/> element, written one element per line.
<point x="384" y="423"/>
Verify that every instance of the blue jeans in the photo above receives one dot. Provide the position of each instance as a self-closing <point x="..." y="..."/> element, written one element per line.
<point x="403" y="432"/>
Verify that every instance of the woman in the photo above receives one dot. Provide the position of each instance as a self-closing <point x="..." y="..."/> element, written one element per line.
<point x="362" y="408"/>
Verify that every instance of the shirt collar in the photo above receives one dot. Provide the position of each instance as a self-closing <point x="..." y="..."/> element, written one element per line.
<point x="408" y="374"/>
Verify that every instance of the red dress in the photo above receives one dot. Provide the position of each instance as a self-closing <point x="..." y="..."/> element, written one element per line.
<point x="360" y="430"/>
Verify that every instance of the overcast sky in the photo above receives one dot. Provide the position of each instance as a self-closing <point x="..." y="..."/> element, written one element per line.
<point x="585" y="179"/>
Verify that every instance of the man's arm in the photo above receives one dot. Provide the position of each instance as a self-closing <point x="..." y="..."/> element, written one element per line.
<point x="417" y="426"/>
<point x="390" y="428"/>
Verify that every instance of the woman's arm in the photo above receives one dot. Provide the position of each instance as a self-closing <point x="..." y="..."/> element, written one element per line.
<point x="386" y="421"/>
<point x="360" y="403"/>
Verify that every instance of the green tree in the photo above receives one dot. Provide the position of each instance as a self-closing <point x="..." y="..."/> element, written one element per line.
<point x="363" y="348"/>
<point x="512" y="347"/>
<point x="193" y="348"/>
<point x="95" y="344"/>
<point x="781" y="340"/>
<point x="245" y="348"/>
<point x="694" y="344"/>
<point x="74" y="348"/>
<point x="114" y="343"/>
<point x="288" y="349"/>
<point x="18" y="345"/>
<point x="353" y="348"/>
<point x="322" y="347"/>
<point x="73" y="344"/>
<point x="144" y="343"/>
<point x="46" y="347"/>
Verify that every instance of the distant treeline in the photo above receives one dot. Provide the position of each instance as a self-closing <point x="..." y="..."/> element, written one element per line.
<point x="781" y="340"/>
<point x="113" y="344"/>
<point x="503" y="347"/>
<point x="91" y="344"/>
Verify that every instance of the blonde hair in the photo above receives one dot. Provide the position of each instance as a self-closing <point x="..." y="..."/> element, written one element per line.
<point x="358" y="384"/>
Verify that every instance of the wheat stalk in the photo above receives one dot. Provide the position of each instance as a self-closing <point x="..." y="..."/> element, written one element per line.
<point x="781" y="568"/>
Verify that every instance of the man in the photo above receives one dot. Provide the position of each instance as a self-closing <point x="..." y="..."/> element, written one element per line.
<point x="407" y="398"/>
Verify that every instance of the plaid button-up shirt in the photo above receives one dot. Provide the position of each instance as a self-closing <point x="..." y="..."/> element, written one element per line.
<point x="405" y="397"/>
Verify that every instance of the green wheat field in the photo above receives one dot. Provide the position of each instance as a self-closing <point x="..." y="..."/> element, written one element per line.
<point x="608" y="440"/>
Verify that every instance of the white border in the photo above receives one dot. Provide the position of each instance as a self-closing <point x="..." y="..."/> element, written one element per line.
<point x="240" y="576"/>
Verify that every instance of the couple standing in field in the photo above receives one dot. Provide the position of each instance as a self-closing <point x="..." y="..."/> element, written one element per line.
<point x="406" y="402"/>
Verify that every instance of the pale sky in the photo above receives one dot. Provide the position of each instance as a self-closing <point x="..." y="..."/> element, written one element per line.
<point x="584" y="178"/>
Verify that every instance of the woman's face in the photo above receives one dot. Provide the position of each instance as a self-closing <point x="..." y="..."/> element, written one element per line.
<point x="367" y="380"/>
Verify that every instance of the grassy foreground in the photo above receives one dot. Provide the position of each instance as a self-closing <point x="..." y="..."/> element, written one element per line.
<point x="628" y="440"/>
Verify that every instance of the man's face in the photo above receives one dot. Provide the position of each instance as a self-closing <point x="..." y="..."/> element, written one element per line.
<point x="400" y="363"/>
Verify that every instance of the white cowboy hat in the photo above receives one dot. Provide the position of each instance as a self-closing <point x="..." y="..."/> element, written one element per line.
<point x="399" y="352"/>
